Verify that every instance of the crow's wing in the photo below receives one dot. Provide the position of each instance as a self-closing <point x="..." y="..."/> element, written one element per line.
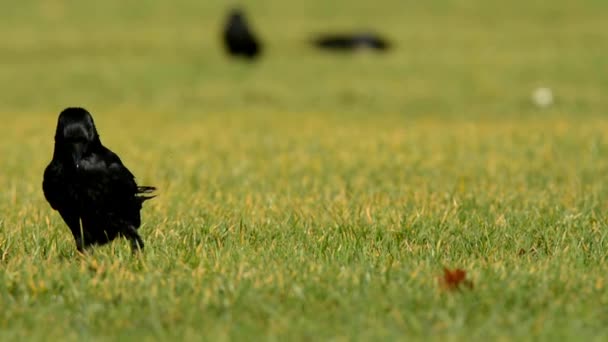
<point x="55" y="190"/>
<point x="111" y="193"/>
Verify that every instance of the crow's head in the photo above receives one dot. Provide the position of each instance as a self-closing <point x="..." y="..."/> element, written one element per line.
<point x="76" y="135"/>
<point x="236" y="15"/>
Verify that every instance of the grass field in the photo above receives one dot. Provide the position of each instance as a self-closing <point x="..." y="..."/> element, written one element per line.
<point x="310" y="196"/>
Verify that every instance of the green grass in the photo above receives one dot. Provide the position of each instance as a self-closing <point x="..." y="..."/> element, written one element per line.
<point x="310" y="196"/>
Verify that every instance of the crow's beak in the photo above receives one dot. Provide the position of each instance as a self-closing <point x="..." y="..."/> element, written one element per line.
<point x="77" y="153"/>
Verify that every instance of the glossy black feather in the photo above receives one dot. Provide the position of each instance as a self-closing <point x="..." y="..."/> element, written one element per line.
<point x="95" y="194"/>
<point x="239" y="39"/>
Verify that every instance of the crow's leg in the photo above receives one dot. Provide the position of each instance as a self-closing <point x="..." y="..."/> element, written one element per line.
<point x="137" y="244"/>
<point x="73" y="222"/>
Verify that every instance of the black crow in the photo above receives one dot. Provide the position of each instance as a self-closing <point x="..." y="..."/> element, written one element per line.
<point x="239" y="40"/>
<point x="352" y="42"/>
<point x="86" y="182"/>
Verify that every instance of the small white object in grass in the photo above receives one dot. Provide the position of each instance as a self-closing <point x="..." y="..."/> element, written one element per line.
<point x="542" y="97"/>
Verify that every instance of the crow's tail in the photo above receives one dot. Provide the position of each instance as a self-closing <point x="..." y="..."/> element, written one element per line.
<point x="144" y="192"/>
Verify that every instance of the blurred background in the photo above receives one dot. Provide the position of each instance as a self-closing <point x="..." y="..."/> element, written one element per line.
<point x="450" y="58"/>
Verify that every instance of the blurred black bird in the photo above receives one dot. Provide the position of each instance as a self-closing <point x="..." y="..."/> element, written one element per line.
<point x="86" y="182"/>
<point x="352" y="42"/>
<point x="239" y="40"/>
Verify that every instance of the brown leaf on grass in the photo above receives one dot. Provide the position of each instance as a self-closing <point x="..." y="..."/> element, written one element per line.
<point x="454" y="279"/>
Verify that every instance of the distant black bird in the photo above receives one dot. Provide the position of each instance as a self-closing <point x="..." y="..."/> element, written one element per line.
<point x="86" y="182"/>
<point x="352" y="42"/>
<point x="239" y="40"/>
